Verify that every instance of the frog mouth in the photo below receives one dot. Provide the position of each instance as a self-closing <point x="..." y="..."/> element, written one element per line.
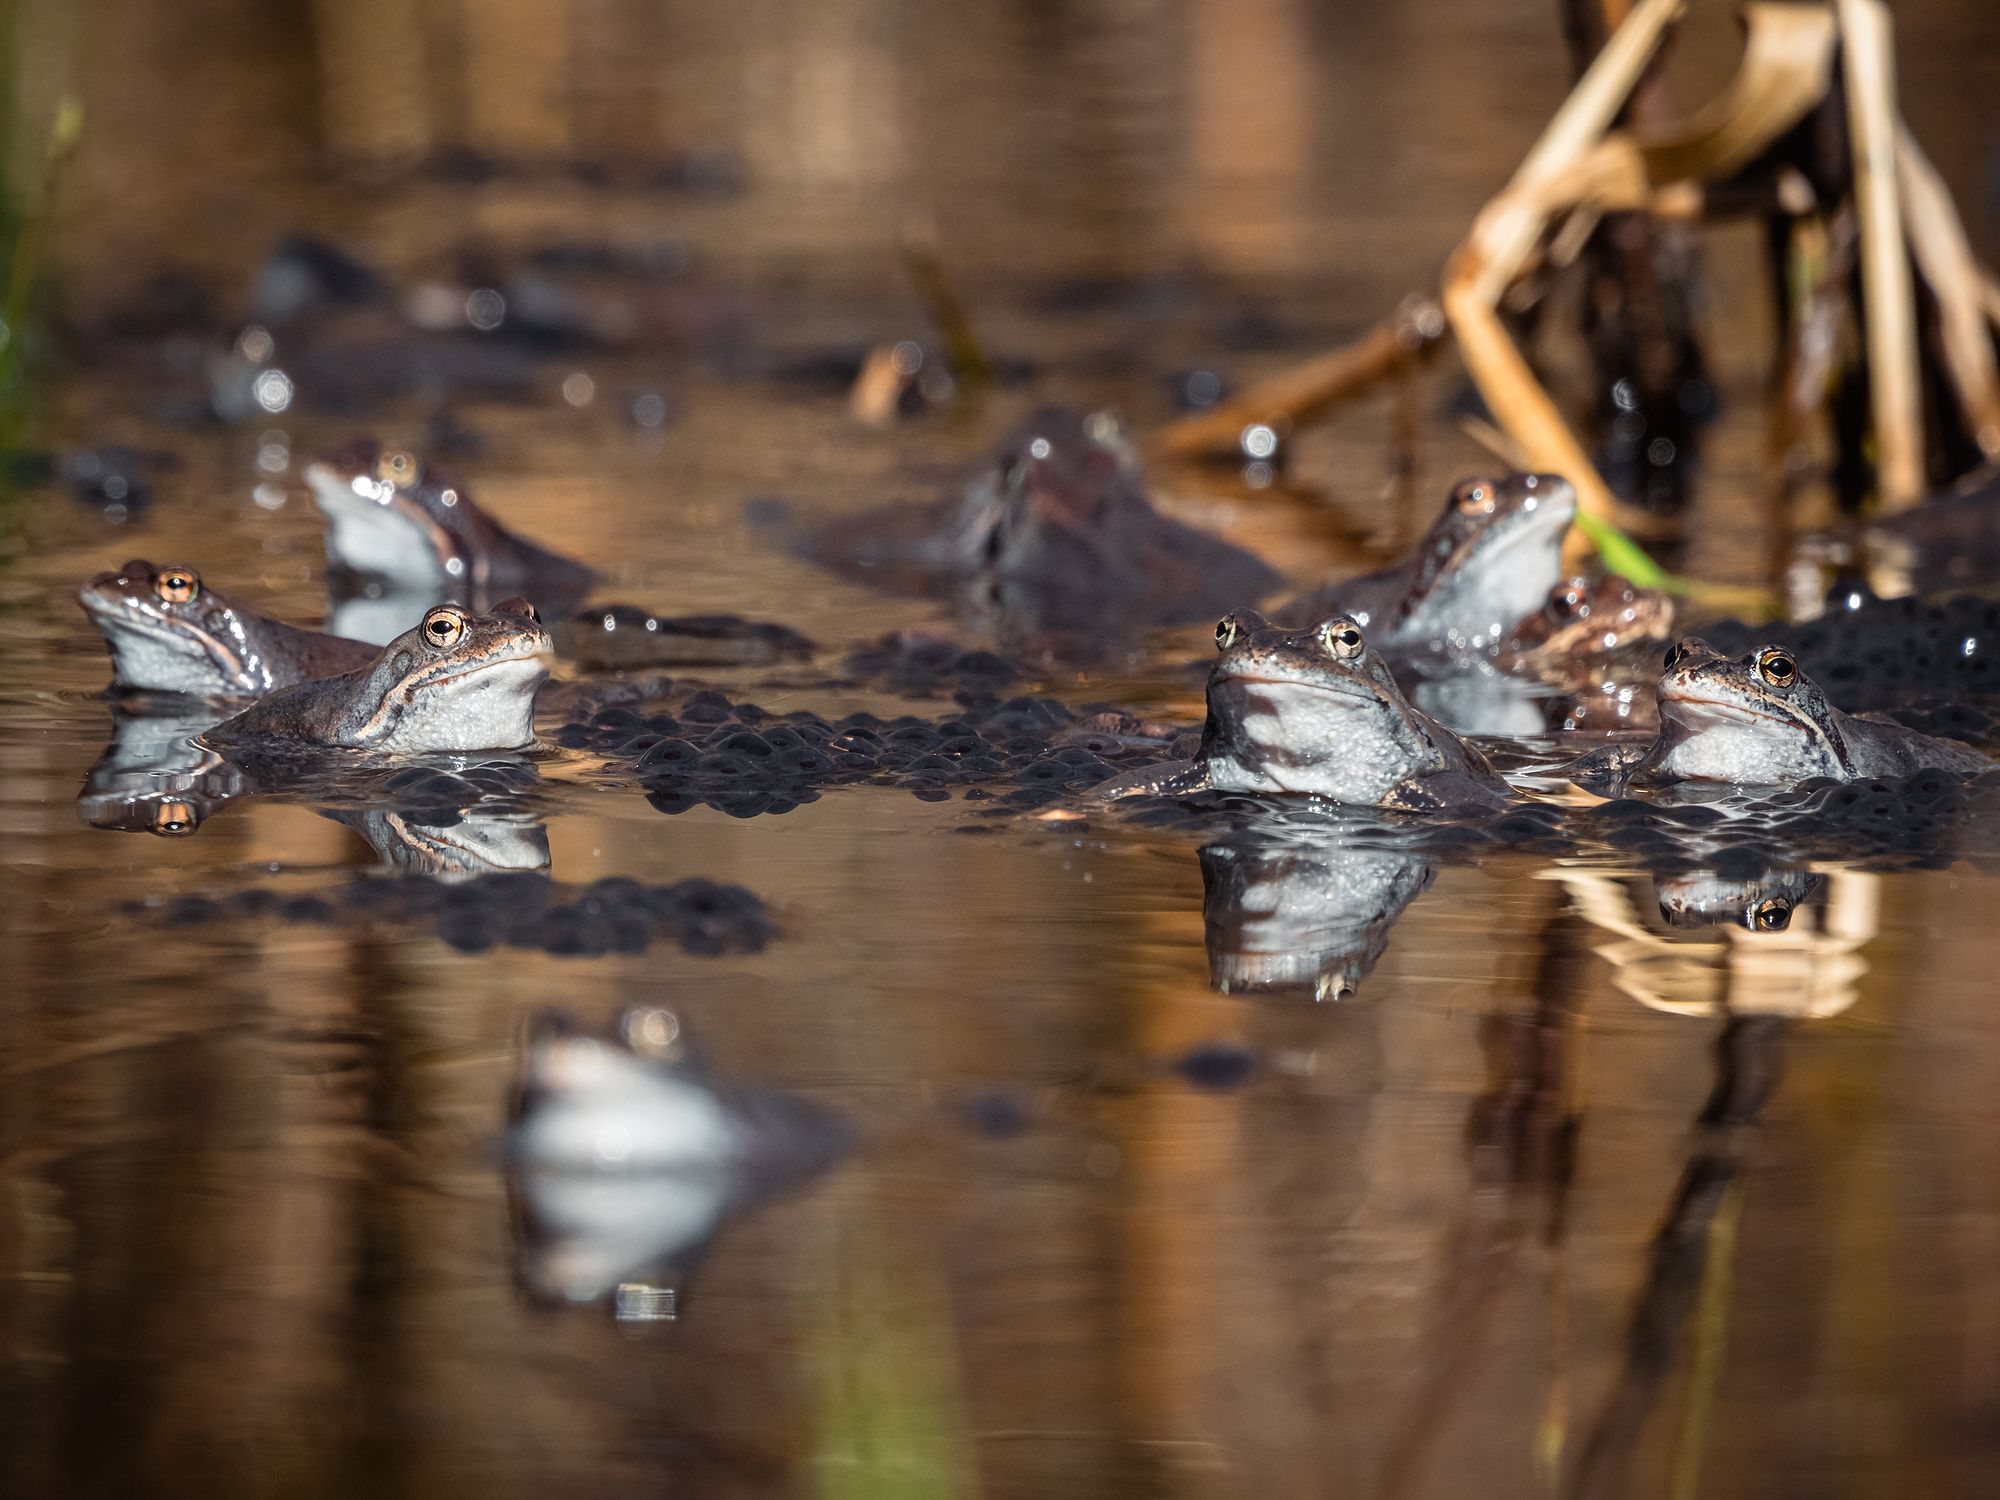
<point x="122" y="617"/>
<point x="1355" y="694"/>
<point x="539" y="660"/>
<point x="1696" y="712"/>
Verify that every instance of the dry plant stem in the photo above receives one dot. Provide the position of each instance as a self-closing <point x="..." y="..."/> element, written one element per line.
<point x="1523" y="410"/>
<point x="924" y="264"/>
<point x="1944" y="256"/>
<point x="1786" y="70"/>
<point x="1300" y="394"/>
<point x="1510" y="228"/>
<point x="1889" y="301"/>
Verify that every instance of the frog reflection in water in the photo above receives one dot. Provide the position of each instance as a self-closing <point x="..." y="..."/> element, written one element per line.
<point x="1762" y="903"/>
<point x="1316" y="712"/>
<point x="1302" y="916"/>
<point x="626" y="1158"/>
<point x="1054" y="543"/>
<point x="171" y="633"/>
<point x="1758" y="720"/>
<point x="457" y="681"/>
<point x="156" y="777"/>
<point x="1489" y="560"/>
<point x="393" y="519"/>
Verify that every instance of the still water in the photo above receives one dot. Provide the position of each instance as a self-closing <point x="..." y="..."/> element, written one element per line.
<point x="1563" y="1198"/>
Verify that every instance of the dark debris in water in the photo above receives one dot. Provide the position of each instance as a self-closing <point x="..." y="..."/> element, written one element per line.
<point x="743" y="761"/>
<point x="513" y="910"/>
<point x="1888" y="653"/>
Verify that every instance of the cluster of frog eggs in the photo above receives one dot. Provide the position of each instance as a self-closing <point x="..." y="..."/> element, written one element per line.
<point x="522" y="910"/>
<point x="1889" y="653"/>
<point x="743" y="761"/>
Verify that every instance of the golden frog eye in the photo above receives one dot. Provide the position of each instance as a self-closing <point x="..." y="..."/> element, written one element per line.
<point x="1777" y="667"/>
<point x="398" y="468"/>
<point x="1475" y="498"/>
<point x="177" y="585"/>
<point x="1227" y="631"/>
<point x="175" y="820"/>
<point x="1774" y="915"/>
<point x="444" y="627"/>
<point x="1340" y="638"/>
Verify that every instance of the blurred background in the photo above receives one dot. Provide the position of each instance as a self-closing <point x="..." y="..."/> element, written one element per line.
<point x="1483" y="1232"/>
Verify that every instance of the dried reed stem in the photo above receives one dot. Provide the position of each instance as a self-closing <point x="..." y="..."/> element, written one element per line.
<point x="1890" y="309"/>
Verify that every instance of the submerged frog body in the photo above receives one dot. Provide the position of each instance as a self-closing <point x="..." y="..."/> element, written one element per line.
<point x="171" y="633"/>
<point x="457" y="681"/>
<point x="1054" y="541"/>
<point x="1489" y="559"/>
<point x="1316" y="712"/>
<point x="1758" y="720"/>
<point x="390" y="518"/>
<point x="626" y="1158"/>
<point x="1296" y="915"/>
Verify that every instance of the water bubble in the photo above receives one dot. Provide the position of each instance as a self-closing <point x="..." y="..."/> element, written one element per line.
<point x="485" y="309"/>
<point x="1260" y="440"/>
<point x="272" y="390"/>
<point x="578" y="388"/>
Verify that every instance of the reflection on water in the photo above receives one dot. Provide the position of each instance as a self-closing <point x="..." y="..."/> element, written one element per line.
<point x="1305" y="914"/>
<point x="1599" y="1179"/>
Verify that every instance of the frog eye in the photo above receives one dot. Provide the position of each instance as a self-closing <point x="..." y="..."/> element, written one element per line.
<point x="1474" y="498"/>
<point x="1566" y="602"/>
<point x="1228" y="630"/>
<point x="444" y="627"/>
<point x="1341" y="638"/>
<point x="177" y="585"/>
<point x="1777" y="667"/>
<point x="1774" y="915"/>
<point x="398" y="468"/>
<point x="174" y="820"/>
<point x="1676" y="654"/>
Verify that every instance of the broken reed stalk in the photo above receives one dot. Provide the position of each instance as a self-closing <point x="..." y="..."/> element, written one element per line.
<point x="1889" y="306"/>
<point x="1298" y="395"/>
<point x="1945" y="259"/>
<point x="923" y="263"/>
<point x="1507" y="235"/>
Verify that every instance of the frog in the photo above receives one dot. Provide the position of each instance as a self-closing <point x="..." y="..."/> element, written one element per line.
<point x="1317" y="713"/>
<point x="1052" y="546"/>
<point x="1489" y="560"/>
<point x="626" y="1156"/>
<point x="397" y="521"/>
<point x="1586" y="627"/>
<point x="1758" y="720"/>
<point x="456" y="681"/>
<point x="169" y="632"/>
<point x="1309" y="916"/>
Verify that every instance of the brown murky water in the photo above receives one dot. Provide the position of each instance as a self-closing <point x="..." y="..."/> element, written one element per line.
<point x="1562" y="1201"/>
